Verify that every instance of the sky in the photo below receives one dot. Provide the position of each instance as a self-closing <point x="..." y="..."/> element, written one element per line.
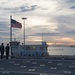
<point x="54" y="19"/>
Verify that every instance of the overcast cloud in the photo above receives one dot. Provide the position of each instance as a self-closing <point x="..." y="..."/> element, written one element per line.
<point x="54" y="18"/>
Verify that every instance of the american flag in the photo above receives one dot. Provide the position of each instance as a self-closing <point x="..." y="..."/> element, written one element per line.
<point x="15" y="24"/>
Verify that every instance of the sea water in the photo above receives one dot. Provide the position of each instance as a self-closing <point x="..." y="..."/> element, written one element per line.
<point x="58" y="51"/>
<point x="61" y="50"/>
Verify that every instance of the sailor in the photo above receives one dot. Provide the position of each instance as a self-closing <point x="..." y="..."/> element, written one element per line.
<point x="2" y="50"/>
<point x="7" y="51"/>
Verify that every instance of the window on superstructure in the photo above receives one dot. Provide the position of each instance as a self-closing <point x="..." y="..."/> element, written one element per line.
<point x="41" y="47"/>
<point x="28" y="48"/>
<point x="34" y="47"/>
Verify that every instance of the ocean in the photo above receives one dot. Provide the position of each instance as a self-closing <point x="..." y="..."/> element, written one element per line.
<point x="61" y="50"/>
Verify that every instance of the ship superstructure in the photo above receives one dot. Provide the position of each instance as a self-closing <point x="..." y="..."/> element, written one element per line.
<point x="28" y="50"/>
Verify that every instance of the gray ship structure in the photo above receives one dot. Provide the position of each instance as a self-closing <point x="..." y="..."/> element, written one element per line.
<point x="18" y="50"/>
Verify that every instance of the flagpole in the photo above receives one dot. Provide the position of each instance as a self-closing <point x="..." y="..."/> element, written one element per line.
<point x="11" y="35"/>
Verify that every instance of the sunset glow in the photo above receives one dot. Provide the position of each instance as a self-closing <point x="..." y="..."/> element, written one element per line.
<point x="43" y="16"/>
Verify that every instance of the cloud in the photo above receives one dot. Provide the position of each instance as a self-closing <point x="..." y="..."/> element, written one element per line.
<point x="21" y="9"/>
<point x="70" y="1"/>
<point x="19" y="6"/>
<point x="28" y="8"/>
<point x="73" y="7"/>
<point x="53" y="18"/>
<point x="48" y="34"/>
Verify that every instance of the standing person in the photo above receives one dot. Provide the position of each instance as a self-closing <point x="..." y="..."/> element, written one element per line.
<point x="7" y="51"/>
<point x="2" y="50"/>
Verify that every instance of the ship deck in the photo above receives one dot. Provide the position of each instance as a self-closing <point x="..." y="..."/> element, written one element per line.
<point x="37" y="67"/>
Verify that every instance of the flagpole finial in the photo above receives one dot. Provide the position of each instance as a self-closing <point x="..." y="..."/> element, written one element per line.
<point x="11" y="16"/>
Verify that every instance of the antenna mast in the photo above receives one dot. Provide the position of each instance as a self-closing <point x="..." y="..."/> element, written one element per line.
<point x="42" y="37"/>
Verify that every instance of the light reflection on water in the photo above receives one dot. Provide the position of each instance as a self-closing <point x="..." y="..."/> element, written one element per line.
<point x="61" y="50"/>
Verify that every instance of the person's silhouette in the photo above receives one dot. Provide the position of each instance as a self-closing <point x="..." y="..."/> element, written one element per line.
<point x="2" y="50"/>
<point x="7" y="51"/>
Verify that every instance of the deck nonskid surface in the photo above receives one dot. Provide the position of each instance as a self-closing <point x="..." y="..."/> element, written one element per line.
<point x="37" y="67"/>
